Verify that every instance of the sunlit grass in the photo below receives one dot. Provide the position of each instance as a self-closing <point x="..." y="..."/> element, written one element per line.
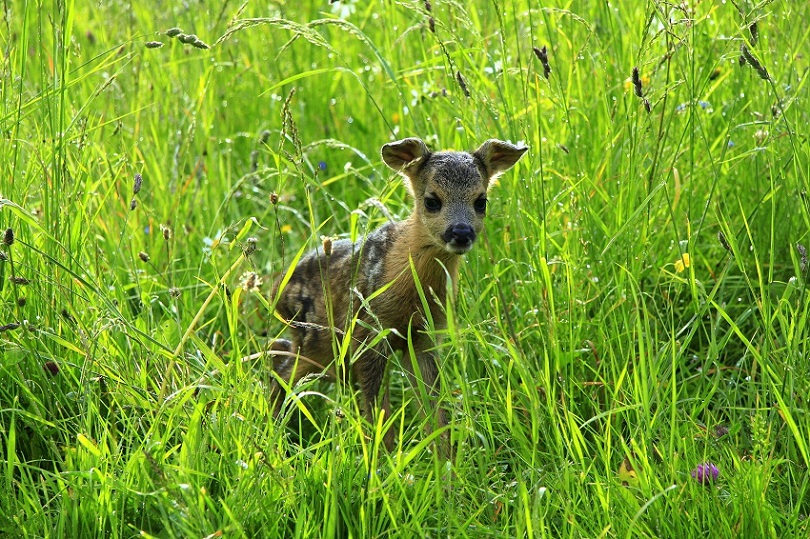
<point x="636" y="308"/>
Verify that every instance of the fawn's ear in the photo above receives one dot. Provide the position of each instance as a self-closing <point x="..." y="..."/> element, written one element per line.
<point x="404" y="154"/>
<point x="498" y="156"/>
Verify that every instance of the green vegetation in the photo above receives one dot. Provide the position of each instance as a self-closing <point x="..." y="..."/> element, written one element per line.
<point x="638" y="306"/>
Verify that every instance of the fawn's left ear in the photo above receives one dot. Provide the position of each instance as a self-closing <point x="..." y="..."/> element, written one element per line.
<point x="498" y="156"/>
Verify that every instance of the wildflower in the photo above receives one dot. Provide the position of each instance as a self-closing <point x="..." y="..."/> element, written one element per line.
<point x="706" y="473"/>
<point x="683" y="263"/>
<point x="760" y="136"/>
<point x="322" y="165"/>
<point x="250" y="281"/>
<point x="136" y="186"/>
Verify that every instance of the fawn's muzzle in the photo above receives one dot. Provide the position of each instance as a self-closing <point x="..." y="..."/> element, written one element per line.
<point x="459" y="236"/>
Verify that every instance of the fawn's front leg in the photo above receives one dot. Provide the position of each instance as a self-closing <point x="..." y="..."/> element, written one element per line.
<point x="369" y="373"/>
<point x="423" y="369"/>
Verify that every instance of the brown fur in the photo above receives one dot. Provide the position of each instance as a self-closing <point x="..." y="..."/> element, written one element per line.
<point x="327" y="291"/>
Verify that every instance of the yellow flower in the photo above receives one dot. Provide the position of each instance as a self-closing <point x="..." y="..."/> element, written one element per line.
<point x="286" y="228"/>
<point x="682" y="263"/>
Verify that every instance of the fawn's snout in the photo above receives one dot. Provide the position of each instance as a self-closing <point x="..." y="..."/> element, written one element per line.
<point x="459" y="237"/>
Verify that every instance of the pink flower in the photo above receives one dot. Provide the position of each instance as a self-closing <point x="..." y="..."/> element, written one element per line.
<point x="706" y="473"/>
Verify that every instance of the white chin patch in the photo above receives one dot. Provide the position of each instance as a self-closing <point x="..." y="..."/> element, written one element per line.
<point x="458" y="249"/>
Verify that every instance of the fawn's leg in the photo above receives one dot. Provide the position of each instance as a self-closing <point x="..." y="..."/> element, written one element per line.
<point x="424" y="371"/>
<point x="369" y="373"/>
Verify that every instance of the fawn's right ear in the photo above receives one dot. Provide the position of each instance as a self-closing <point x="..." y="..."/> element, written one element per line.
<point x="404" y="154"/>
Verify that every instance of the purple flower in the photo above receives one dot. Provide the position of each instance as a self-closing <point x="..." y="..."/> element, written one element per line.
<point x="706" y="473"/>
<point x="322" y="165"/>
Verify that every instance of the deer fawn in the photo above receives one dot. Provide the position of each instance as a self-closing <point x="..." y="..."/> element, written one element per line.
<point x="367" y="287"/>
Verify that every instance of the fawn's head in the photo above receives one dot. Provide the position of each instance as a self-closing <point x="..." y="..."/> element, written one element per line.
<point x="450" y="188"/>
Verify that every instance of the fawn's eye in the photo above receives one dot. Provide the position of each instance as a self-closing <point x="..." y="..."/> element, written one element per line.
<point x="432" y="204"/>
<point x="480" y="205"/>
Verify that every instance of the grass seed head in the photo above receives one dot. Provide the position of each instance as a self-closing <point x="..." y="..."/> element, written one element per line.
<point x="723" y="241"/>
<point x="802" y="257"/>
<point x="137" y="183"/>
<point x="8" y="236"/>
<point x="542" y="55"/>
<point x="143" y="256"/>
<point x="748" y="58"/>
<point x="326" y="242"/>
<point x="19" y="280"/>
<point x="133" y="204"/>
<point x="166" y="232"/>
<point x="250" y="246"/>
<point x="153" y="44"/>
<point x="463" y="84"/>
<point x="51" y="367"/>
<point x="254" y="160"/>
<point x="639" y="91"/>
<point x="174" y="32"/>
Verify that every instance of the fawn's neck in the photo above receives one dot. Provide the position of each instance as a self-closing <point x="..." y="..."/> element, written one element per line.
<point x="431" y="263"/>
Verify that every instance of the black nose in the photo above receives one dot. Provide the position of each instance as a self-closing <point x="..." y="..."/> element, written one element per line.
<point x="459" y="234"/>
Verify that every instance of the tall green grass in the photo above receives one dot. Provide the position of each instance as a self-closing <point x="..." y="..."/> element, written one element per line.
<point x="637" y="306"/>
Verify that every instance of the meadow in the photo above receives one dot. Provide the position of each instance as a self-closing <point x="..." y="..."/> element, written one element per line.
<point x="628" y="352"/>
